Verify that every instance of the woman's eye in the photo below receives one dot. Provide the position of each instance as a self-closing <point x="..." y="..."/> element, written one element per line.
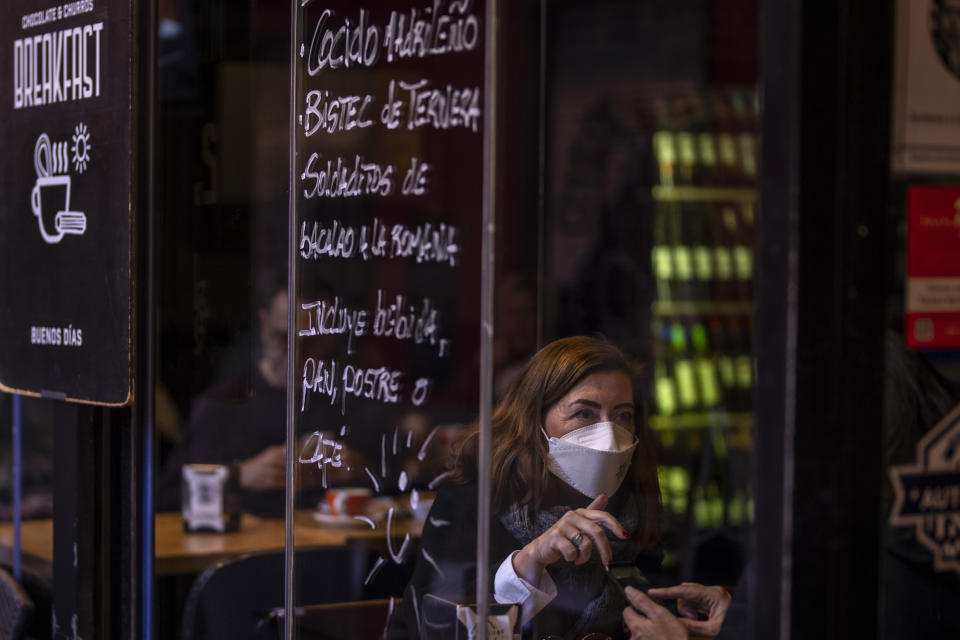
<point x="626" y="417"/>
<point x="583" y="414"/>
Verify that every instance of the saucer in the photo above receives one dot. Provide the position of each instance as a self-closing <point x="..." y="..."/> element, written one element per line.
<point x="376" y="511"/>
<point x="342" y="522"/>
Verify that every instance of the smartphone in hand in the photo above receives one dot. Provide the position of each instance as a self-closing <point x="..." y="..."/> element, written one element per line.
<point x="627" y="574"/>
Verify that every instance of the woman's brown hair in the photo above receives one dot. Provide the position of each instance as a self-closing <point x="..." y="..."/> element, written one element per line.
<point x="519" y="449"/>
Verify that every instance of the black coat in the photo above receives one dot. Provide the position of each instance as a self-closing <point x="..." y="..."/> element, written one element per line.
<point x="449" y="541"/>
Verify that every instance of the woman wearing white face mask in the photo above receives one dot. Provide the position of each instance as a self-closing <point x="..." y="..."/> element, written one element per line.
<point x="573" y="488"/>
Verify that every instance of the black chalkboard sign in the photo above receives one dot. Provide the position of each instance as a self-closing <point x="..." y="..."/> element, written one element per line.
<point x="65" y="199"/>
<point x="388" y="186"/>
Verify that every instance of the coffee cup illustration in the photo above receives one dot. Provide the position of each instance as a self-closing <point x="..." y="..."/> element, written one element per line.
<point x="51" y="193"/>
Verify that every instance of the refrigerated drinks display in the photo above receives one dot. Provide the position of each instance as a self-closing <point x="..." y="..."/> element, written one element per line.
<point x="704" y="208"/>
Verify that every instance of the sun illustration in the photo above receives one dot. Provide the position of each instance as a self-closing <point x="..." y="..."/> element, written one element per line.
<point x="81" y="147"/>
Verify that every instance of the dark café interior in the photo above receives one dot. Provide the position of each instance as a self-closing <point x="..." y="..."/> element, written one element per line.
<point x="457" y="319"/>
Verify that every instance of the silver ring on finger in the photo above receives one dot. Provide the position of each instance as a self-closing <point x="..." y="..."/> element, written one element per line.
<point x="576" y="539"/>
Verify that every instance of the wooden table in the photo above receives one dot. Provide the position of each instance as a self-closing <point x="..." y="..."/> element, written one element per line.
<point x="178" y="552"/>
<point x="36" y="545"/>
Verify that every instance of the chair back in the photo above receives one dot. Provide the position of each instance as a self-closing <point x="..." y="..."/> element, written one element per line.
<point x="360" y="620"/>
<point x="234" y="598"/>
<point x="15" y="607"/>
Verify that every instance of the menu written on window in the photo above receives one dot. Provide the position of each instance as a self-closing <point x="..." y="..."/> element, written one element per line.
<point x="65" y="199"/>
<point x="388" y="183"/>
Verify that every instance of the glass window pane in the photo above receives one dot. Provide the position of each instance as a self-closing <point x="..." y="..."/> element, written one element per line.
<point x="638" y="124"/>
<point x="388" y="192"/>
<point x="223" y="71"/>
<point x="650" y="164"/>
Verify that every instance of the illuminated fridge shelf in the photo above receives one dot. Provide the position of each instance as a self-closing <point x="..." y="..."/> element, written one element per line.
<point x="702" y="308"/>
<point x="685" y="193"/>
<point x="702" y="420"/>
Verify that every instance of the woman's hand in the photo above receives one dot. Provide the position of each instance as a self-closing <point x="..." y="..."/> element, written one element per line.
<point x="574" y="537"/>
<point x="694" y="599"/>
<point x="655" y="623"/>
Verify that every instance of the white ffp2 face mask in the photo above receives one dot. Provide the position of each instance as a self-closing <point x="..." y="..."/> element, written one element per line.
<point x="592" y="459"/>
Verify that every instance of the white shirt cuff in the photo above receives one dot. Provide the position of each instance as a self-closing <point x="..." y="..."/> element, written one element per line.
<point x="509" y="588"/>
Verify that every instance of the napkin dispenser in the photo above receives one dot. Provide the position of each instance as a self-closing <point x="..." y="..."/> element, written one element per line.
<point x="443" y="619"/>
<point x="209" y="498"/>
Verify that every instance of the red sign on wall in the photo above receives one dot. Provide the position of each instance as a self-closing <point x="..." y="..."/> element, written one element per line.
<point x="933" y="267"/>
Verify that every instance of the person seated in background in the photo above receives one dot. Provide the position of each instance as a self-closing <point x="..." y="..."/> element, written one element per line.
<point x="249" y="434"/>
<point x="573" y="489"/>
